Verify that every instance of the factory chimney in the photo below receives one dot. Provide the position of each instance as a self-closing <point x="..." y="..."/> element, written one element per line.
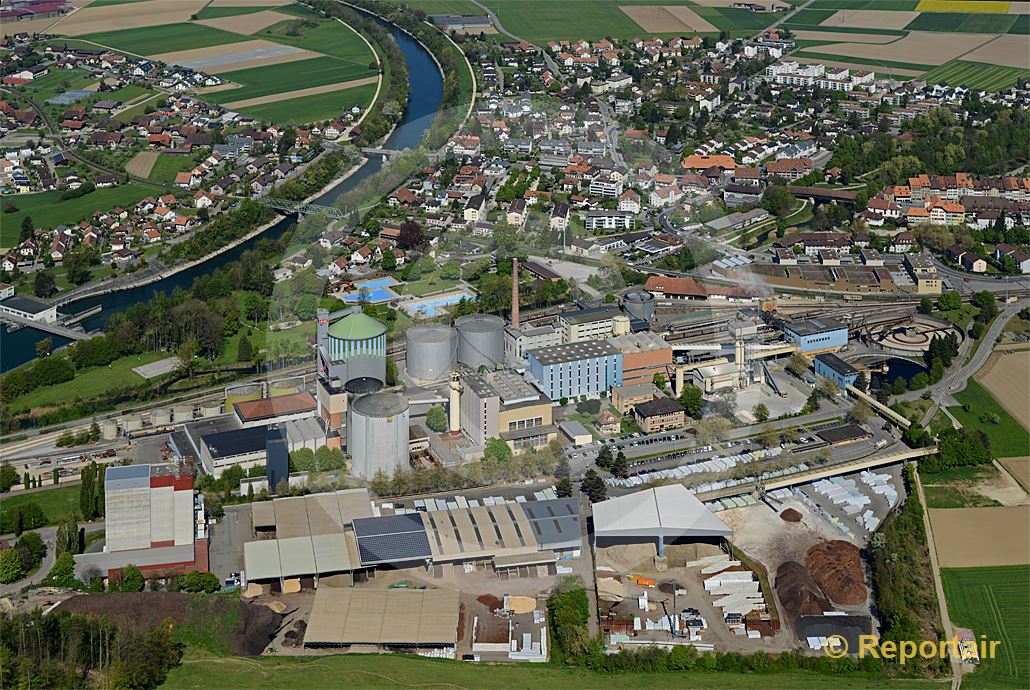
<point x="514" y="293"/>
<point x="453" y="418"/>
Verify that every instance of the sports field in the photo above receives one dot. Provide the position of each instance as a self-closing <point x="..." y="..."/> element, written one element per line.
<point x="201" y="670"/>
<point x="993" y="602"/>
<point x="154" y="40"/>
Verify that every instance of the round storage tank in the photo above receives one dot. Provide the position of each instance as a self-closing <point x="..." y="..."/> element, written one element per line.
<point x="480" y="340"/>
<point x="431" y="352"/>
<point x="161" y="417"/>
<point x="639" y="304"/>
<point x="377" y="434"/>
<point x="359" y="340"/>
<point x="109" y="430"/>
<point x="133" y="423"/>
<point x="242" y="392"/>
<point x="210" y="409"/>
<point x="183" y="413"/>
<point x="286" y="386"/>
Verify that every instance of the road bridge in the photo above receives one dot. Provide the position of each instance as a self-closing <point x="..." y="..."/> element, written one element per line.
<point x="52" y="328"/>
<point x="386" y="153"/>
<point x="287" y="206"/>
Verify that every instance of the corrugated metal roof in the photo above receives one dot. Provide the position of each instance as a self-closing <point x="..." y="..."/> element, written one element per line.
<point x="297" y="557"/>
<point x="261" y="560"/>
<point x="383" y="617"/>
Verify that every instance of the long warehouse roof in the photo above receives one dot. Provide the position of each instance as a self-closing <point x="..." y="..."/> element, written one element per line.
<point x="403" y="617"/>
<point x="666" y="511"/>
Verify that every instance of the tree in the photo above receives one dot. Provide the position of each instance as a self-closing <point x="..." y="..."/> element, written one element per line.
<point x="769" y="436"/>
<point x="919" y="381"/>
<point x="692" y="401"/>
<point x="132" y="579"/>
<point x="620" y="468"/>
<point x="201" y="582"/>
<point x="410" y="235"/>
<point x="330" y="459"/>
<point x="436" y="419"/>
<point x="860" y="412"/>
<point x="63" y="572"/>
<point x="899" y="386"/>
<point x="497" y="450"/>
<point x="26" y="229"/>
<point x="10" y="567"/>
<point x="563" y="475"/>
<point x="44" y="285"/>
<point x="660" y="380"/>
<point x="862" y="382"/>
<point x="604" y="457"/>
<point x="778" y="201"/>
<point x="798" y="365"/>
<point x="761" y="412"/>
<point x="244" y="350"/>
<point x="8" y="477"/>
<point x="712" y="429"/>
<point x="949" y="301"/>
<point x="187" y="354"/>
<point x="593" y="486"/>
<point x="34" y="546"/>
<point x="925" y="305"/>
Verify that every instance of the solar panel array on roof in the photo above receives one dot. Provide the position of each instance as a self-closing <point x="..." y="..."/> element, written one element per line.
<point x="391" y="538"/>
<point x="555" y="522"/>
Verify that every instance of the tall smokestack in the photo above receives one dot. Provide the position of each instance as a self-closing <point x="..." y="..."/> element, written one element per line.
<point x="515" y="293"/>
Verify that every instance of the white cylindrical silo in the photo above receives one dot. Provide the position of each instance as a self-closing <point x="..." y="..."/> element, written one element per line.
<point x="480" y="340"/>
<point x="431" y="352"/>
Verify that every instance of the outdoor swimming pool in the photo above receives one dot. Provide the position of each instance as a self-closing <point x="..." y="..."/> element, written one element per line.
<point x="431" y="306"/>
<point x="372" y="291"/>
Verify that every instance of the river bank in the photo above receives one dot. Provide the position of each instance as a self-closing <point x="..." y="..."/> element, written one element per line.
<point x="424" y="98"/>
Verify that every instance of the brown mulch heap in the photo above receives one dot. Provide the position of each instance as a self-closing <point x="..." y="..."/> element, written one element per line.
<point x="790" y="515"/>
<point x="257" y="626"/>
<point x="837" y="567"/>
<point x="490" y="601"/>
<point x="799" y="592"/>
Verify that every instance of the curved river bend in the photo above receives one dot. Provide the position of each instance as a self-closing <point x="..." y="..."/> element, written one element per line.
<point x="424" y="97"/>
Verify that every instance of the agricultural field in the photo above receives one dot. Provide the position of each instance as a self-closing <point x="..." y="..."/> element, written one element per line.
<point x="992" y="602"/>
<point x="281" y="62"/>
<point x="154" y="40"/>
<point x="444" y="6"/>
<point x="976" y="75"/>
<point x="895" y="5"/>
<point x="313" y="108"/>
<point x="48" y="211"/>
<point x="201" y="670"/>
<point x="972" y="486"/>
<point x="1005" y="377"/>
<point x="293" y="76"/>
<point x="967" y="23"/>
<point x="998" y="6"/>
<point x="166" y="167"/>
<point x="975" y="537"/>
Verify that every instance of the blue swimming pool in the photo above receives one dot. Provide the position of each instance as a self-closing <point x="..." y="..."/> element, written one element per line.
<point x="431" y="305"/>
<point x="377" y="283"/>
<point x="373" y="296"/>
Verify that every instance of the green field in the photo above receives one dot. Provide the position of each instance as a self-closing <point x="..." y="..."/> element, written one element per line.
<point x="444" y="6"/>
<point x="1021" y="25"/>
<point x="809" y="17"/>
<point x="1008" y="438"/>
<point x="844" y="30"/>
<point x="290" y="76"/>
<point x="218" y="12"/>
<point x="977" y="75"/>
<point x="58" y="503"/>
<point x="993" y="602"/>
<point x="956" y="487"/>
<point x="47" y="211"/>
<point x="962" y="22"/>
<point x="734" y="19"/>
<point x="91" y="382"/>
<point x="328" y="38"/>
<point x="902" y="5"/>
<point x="57" y="81"/>
<point x="167" y="167"/>
<point x="883" y="64"/>
<point x="155" y="40"/>
<point x="200" y="670"/>
<point x="313" y="108"/>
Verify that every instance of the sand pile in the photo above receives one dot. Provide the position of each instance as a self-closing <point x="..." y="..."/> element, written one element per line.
<point x="490" y="601"/>
<point x="837" y="567"/>
<point x="790" y="515"/>
<point x="626" y="558"/>
<point x="799" y="592"/>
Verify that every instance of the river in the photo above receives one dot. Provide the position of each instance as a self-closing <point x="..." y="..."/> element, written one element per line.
<point x="424" y="97"/>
